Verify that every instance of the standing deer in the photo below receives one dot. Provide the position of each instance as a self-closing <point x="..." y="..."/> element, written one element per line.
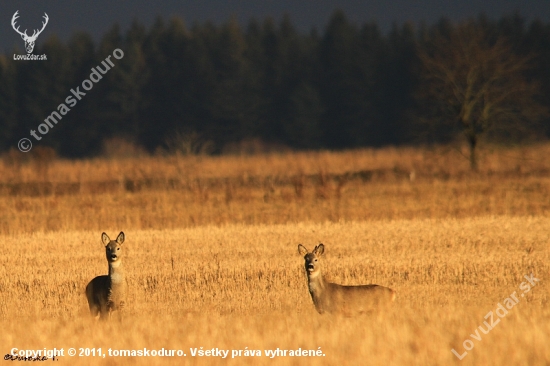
<point x="107" y="293"/>
<point x="333" y="298"/>
<point x="29" y="41"/>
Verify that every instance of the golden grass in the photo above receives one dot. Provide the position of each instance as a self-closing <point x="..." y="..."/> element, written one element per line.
<point x="438" y="161"/>
<point x="356" y="201"/>
<point x="176" y="192"/>
<point x="217" y="266"/>
<point x="240" y="286"/>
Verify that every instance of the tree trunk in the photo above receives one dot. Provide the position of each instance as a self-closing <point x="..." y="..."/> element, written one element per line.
<point x="472" y="142"/>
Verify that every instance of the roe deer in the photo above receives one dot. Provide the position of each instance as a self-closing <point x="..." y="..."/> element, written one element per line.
<point x="333" y="298"/>
<point x="107" y="293"/>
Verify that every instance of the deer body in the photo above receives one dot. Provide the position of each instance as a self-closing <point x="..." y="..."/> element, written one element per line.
<point x="107" y="293"/>
<point x="334" y="298"/>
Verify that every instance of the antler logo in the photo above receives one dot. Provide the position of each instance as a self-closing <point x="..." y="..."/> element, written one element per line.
<point x="29" y="41"/>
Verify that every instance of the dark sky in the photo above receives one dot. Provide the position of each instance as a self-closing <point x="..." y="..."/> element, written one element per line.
<point x="95" y="17"/>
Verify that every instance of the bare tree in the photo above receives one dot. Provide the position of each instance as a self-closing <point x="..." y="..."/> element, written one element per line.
<point x="474" y="85"/>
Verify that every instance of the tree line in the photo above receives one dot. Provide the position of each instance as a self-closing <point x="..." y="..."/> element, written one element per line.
<point x="343" y="87"/>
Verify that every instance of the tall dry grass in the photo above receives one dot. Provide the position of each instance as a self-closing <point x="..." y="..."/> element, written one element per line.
<point x="212" y="259"/>
<point x="439" y="161"/>
<point x="175" y="192"/>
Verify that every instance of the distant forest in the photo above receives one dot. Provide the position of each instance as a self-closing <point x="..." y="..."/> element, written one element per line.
<point x="206" y="86"/>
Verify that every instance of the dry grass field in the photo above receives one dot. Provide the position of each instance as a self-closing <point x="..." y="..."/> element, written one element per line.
<point x="211" y="256"/>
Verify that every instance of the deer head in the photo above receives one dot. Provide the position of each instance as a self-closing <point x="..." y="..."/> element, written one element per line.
<point x="29" y="41"/>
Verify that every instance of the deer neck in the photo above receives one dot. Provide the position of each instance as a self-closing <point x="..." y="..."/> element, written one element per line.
<point x="116" y="272"/>
<point x="316" y="284"/>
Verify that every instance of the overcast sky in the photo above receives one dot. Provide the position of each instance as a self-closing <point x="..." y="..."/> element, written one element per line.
<point x="97" y="16"/>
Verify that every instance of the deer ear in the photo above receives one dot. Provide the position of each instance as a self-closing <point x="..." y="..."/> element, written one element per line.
<point x="105" y="239"/>
<point x="23" y="36"/>
<point x="319" y="250"/>
<point x="120" y="238"/>
<point x="302" y="250"/>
